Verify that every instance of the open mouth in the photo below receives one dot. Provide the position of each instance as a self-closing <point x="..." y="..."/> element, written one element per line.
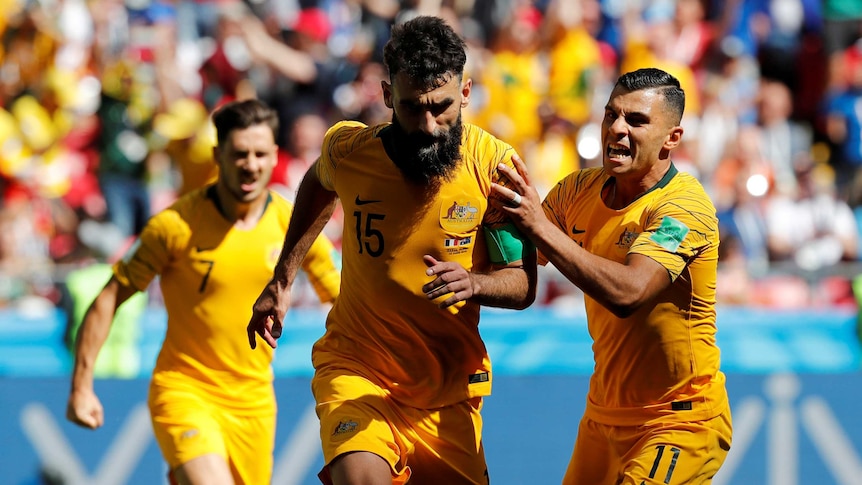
<point x="248" y="182"/>
<point x="618" y="152"/>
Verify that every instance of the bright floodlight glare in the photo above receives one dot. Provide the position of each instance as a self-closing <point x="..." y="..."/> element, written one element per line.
<point x="757" y="185"/>
<point x="589" y="142"/>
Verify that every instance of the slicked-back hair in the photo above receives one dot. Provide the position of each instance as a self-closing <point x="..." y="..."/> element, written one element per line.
<point x="652" y="78"/>
<point x="239" y="115"/>
<point x="427" y="50"/>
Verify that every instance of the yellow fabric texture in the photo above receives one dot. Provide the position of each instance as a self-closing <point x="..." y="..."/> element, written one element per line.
<point x="211" y="275"/>
<point x="678" y="453"/>
<point x="666" y="352"/>
<point x="382" y="326"/>
<point x="187" y="425"/>
<point x="441" y="445"/>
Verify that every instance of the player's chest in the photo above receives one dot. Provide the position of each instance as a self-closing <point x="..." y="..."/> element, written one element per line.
<point x="385" y="196"/>
<point x="212" y="261"/>
<point x="603" y="231"/>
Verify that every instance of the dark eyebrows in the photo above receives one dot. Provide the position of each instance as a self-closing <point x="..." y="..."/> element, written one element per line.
<point x="443" y="103"/>
<point x="635" y="116"/>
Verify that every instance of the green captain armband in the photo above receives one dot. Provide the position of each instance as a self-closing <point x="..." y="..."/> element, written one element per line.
<point x="506" y="243"/>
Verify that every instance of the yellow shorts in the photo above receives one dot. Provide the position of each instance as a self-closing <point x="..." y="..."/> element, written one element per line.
<point x="426" y="446"/>
<point x="188" y="425"/>
<point x="666" y="453"/>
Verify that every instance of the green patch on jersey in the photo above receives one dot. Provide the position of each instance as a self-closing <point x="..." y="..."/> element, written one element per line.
<point x="670" y="234"/>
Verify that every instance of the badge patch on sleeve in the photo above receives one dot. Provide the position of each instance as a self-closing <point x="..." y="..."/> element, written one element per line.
<point x="344" y="428"/>
<point x="670" y="234"/>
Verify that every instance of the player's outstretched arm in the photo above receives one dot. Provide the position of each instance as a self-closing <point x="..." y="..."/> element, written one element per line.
<point x="313" y="208"/>
<point x="622" y="288"/>
<point x="84" y="407"/>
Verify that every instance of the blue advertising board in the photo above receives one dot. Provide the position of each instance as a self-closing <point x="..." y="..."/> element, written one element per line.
<point x="788" y="429"/>
<point x="793" y="379"/>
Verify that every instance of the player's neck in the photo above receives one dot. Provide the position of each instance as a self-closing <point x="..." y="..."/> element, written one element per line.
<point x="243" y="215"/>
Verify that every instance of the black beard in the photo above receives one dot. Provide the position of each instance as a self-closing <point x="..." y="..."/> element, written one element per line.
<point x="423" y="158"/>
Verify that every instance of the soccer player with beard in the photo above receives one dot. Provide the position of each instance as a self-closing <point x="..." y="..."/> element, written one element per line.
<point x="401" y="371"/>
<point x="211" y="400"/>
<point x="640" y="238"/>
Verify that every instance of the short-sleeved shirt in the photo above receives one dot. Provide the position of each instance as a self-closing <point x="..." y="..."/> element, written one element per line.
<point x="383" y="327"/>
<point x="211" y="273"/>
<point x="662" y="361"/>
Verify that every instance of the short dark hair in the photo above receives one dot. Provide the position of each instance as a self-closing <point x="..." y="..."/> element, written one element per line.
<point x="652" y="78"/>
<point x="427" y="49"/>
<point x="239" y="115"/>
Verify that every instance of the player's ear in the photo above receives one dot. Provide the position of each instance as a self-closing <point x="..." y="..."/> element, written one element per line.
<point x="387" y="93"/>
<point x="674" y="138"/>
<point x="466" y="88"/>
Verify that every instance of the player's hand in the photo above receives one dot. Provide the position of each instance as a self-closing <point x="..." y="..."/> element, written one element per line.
<point x="449" y="278"/>
<point x="529" y="210"/>
<point x="85" y="409"/>
<point x="268" y="313"/>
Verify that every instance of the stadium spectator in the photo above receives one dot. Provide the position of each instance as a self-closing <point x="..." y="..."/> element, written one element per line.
<point x="575" y="58"/>
<point x="401" y="371"/>
<point x="844" y="126"/>
<point x="304" y="141"/>
<point x="729" y="91"/>
<point x="125" y="116"/>
<point x="783" y="141"/>
<point x="514" y="80"/>
<point x="741" y="191"/>
<point x="188" y="138"/>
<point x="641" y="240"/>
<point x="211" y="400"/>
<point x="57" y="51"/>
<point x="553" y="151"/>
<point x="842" y="28"/>
<point x="294" y="69"/>
<point x="814" y="228"/>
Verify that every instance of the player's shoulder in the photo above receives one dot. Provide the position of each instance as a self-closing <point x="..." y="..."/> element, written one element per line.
<point x="581" y="180"/>
<point x="684" y="183"/>
<point x="346" y="137"/>
<point x="351" y="133"/>
<point x="345" y="128"/>
<point x="684" y="198"/>
<point x="483" y="147"/>
<point x="474" y="137"/>
<point x="183" y="208"/>
<point x="279" y="202"/>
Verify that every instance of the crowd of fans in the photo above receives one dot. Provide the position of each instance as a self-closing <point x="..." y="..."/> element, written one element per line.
<point x="105" y="106"/>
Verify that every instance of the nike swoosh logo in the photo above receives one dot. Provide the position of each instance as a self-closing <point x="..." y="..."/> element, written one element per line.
<point x="359" y="201"/>
<point x="575" y="230"/>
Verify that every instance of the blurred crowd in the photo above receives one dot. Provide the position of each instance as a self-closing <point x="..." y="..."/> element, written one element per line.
<point x="105" y="104"/>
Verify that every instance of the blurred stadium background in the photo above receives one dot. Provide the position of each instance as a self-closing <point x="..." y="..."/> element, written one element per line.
<point x="103" y="121"/>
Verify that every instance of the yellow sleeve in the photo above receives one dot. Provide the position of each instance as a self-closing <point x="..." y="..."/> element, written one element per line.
<point x="151" y="252"/>
<point x="494" y="153"/>
<point x="678" y="231"/>
<point x="337" y="143"/>
<point x="321" y="266"/>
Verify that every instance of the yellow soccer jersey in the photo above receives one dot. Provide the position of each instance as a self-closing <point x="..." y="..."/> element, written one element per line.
<point x="211" y="275"/>
<point x="382" y="326"/>
<point x="661" y="362"/>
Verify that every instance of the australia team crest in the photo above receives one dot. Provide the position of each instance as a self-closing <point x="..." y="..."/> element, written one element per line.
<point x="460" y="215"/>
